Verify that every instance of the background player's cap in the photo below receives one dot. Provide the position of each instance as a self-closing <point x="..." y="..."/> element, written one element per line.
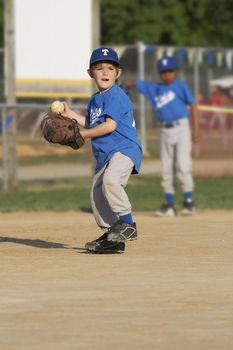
<point x="104" y="54"/>
<point x="166" y="63"/>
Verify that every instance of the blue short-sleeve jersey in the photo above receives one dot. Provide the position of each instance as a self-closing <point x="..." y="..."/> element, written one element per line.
<point x="169" y="101"/>
<point x="114" y="103"/>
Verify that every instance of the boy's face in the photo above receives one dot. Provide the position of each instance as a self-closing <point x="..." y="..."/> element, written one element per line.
<point x="105" y="74"/>
<point x="168" y="76"/>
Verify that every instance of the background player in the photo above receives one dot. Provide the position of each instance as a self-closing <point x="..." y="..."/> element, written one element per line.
<point x="110" y="126"/>
<point x="169" y="100"/>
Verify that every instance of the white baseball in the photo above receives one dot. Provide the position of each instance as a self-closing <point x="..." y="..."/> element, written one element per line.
<point x="57" y="107"/>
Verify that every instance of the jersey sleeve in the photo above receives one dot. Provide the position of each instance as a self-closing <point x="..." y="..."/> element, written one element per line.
<point x="187" y="94"/>
<point x="115" y="107"/>
<point x="144" y="88"/>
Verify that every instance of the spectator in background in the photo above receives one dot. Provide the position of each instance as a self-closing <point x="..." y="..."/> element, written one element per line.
<point x="229" y="103"/>
<point x="218" y="119"/>
<point x="216" y="96"/>
<point x="230" y="92"/>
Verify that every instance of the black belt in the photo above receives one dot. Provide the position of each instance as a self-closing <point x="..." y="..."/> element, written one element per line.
<point x="168" y="125"/>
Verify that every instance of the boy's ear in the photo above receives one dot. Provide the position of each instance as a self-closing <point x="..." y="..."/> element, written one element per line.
<point x="119" y="73"/>
<point x="89" y="71"/>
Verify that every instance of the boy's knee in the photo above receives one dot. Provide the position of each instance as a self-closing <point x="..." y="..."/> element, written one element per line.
<point x="109" y="183"/>
<point x="184" y="170"/>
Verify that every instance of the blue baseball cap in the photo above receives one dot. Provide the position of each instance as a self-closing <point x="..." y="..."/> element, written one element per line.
<point x="166" y="63"/>
<point x="104" y="54"/>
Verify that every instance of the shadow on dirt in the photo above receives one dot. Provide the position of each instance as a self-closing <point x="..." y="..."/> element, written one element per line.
<point x="37" y="243"/>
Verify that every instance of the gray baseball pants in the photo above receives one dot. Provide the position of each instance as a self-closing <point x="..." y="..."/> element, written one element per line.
<point x="176" y="144"/>
<point x="108" y="197"/>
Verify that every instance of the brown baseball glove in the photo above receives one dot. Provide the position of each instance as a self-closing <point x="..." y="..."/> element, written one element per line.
<point x="63" y="130"/>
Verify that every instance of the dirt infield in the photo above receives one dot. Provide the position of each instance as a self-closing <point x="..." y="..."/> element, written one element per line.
<point x="171" y="289"/>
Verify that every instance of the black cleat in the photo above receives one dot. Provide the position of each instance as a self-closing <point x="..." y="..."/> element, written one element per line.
<point x="107" y="247"/>
<point x="166" y="210"/>
<point x="91" y="245"/>
<point x="188" y="208"/>
<point x="122" y="231"/>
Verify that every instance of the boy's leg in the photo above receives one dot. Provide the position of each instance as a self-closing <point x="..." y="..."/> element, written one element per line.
<point x="184" y="166"/>
<point x="167" y="149"/>
<point x="167" y="153"/>
<point x="115" y="179"/>
<point x="184" y="159"/>
<point x="104" y="217"/>
<point x="102" y="211"/>
<point x="109" y="202"/>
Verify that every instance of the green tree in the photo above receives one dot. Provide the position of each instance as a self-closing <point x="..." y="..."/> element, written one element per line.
<point x="177" y="22"/>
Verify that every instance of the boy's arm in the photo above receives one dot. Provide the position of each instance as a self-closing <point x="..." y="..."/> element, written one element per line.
<point x="129" y="84"/>
<point x="195" y="123"/>
<point x="81" y="119"/>
<point x="104" y="128"/>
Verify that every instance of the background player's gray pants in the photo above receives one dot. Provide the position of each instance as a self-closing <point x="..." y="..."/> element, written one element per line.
<point x="108" y="197"/>
<point x="177" y="139"/>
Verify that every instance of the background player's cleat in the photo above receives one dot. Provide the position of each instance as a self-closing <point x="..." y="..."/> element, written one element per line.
<point x="108" y="247"/>
<point x="122" y="231"/>
<point x="166" y="210"/>
<point x="91" y="245"/>
<point x="188" y="208"/>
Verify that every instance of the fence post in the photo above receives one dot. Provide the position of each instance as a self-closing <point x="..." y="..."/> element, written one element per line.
<point x="142" y="105"/>
<point x="4" y="152"/>
<point x="9" y="130"/>
<point x="196" y="75"/>
<point x="196" y="147"/>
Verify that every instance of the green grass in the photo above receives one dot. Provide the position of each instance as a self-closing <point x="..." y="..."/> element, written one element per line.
<point x="55" y="159"/>
<point x="153" y="149"/>
<point x="145" y="193"/>
<point x="210" y="193"/>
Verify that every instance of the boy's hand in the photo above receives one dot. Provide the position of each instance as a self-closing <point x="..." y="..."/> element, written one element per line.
<point x="67" y="111"/>
<point x="129" y="84"/>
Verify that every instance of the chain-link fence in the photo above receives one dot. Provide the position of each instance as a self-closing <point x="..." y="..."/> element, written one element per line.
<point x="1" y="74"/>
<point x="26" y="155"/>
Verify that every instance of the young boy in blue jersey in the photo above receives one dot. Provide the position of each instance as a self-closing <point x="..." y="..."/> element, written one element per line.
<point x="110" y="125"/>
<point x="169" y="100"/>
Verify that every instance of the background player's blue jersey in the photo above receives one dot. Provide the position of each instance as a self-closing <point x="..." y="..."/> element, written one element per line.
<point x="169" y="102"/>
<point x="117" y="105"/>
